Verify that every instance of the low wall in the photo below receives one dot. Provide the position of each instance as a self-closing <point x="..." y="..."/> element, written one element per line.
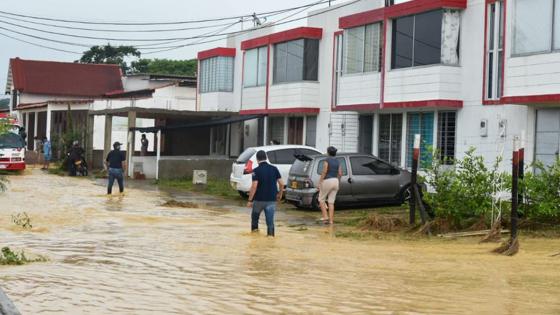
<point x="6" y="306"/>
<point x="181" y="167"/>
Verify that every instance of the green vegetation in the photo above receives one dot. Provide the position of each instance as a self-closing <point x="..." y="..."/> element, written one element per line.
<point x="165" y="66"/>
<point x="110" y="55"/>
<point x="541" y="189"/>
<point x="22" y="219"/>
<point x="9" y="257"/>
<point x="215" y="187"/>
<point x="464" y="191"/>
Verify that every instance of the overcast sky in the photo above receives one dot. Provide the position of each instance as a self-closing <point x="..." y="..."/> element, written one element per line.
<point x="143" y="11"/>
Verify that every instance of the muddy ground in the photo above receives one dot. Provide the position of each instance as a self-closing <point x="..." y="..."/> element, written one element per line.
<point x="136" y="255"/>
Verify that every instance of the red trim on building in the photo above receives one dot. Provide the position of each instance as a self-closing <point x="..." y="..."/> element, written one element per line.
<point x="425" y="103"/>
<point x="357" y="107"/>
<point x="295" y="110"/>
<point x="216" y="52"/>
<point x="293" y="34"/>
<point x="531" y="99"/>
<point x="397" y="10"/>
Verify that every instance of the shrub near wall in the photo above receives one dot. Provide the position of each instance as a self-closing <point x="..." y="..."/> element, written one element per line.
<point x="541" y="189"/>
<point x="464" y="192"/>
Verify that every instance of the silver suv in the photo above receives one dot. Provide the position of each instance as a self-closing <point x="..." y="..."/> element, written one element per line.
<point x="365" y="180"/>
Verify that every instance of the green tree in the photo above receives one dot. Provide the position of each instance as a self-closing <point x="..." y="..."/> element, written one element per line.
<point x="165" y="66"/>
<point x="110" y="55"/>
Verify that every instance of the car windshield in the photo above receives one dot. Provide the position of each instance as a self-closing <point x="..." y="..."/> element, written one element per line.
<point x="300" y="167"/>
<point x="11" y="141"/>
<point x="246" y="156"/>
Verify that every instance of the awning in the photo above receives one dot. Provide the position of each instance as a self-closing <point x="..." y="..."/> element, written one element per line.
<point x="209" y="123"/>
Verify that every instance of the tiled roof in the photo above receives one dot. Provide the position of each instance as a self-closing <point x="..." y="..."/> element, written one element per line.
<point x="65" y="78"/>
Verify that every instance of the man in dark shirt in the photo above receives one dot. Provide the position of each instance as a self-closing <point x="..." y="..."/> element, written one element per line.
<point x="116" y="164"/>
<point x="264" y="193"/>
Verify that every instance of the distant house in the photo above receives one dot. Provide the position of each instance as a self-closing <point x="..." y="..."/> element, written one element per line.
<point x="43" y="93"/>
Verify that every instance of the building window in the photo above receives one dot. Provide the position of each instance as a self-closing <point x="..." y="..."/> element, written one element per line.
<point x="311" y="131"/>
<point x="446" y="136"/>
<point x="296" y="60"/>
<point x="495" y="51"/>
<point x="276" y="130"/>
<point x="390" y="137"/>
<point x="536" y="26"/>
<point x="216" y="74"/>
<point x="422" y="124"/>
<point x="425" y="39"/>
<point x="254" y="70"/>
<point x="362" y="48"/>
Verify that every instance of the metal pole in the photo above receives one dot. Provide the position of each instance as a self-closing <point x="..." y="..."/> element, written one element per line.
<point x="158" y="153"/>
<point x="514" y="188"/>
<point x="413" y="179"/>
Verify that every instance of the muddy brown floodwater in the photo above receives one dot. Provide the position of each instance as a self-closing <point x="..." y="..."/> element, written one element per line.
<point x="132" y="256"/>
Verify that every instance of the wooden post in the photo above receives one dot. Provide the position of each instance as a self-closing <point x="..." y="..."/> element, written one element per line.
<point x="521" y="167"/>
<point x="413" y="180"/>
<point x="158" y="153"/>
<point x="514" y="188"/>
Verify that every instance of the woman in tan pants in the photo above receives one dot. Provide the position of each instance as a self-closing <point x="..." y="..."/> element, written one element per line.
<point x="328" y="185"/>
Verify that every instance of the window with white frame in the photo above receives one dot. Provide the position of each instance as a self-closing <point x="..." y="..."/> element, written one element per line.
<point x="425" y="39"/>
<point x="296" y="60"/>
<point x="495" y="50"/>
<point x="254" y="69"/>
<point x="362" y="48"/>
<point x="536" y="26"/>
<point x="216" y="74"/>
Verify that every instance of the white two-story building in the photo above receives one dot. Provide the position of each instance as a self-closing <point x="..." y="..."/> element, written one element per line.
<point x="367" y="75"/>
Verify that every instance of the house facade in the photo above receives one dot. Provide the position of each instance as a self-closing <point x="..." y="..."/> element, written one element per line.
<point x="367" y="75"/>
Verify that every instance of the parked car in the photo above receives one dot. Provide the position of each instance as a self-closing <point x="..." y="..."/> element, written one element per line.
<point x="365" y="180"/>
<point x="281" y="156"/>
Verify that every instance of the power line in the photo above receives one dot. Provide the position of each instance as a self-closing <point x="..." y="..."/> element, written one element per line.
<point x="155" y="23"/>
<point x="39" y="45"/>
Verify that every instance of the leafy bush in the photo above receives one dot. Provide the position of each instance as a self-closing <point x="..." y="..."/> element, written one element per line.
<point x="9" y="257"/>
<point x="541" y="189"/>
<point x="464" y="191"/>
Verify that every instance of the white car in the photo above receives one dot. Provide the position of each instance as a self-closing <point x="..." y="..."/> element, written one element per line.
<point x="281" y="156"/>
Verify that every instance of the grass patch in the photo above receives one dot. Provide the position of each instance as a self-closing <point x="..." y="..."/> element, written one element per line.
<point x="10" y="257"/>
<point x="215" y="187"/>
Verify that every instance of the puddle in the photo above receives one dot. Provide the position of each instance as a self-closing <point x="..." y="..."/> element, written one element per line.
<point x="132" y="255"/>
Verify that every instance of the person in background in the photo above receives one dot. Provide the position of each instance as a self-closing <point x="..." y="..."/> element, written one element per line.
<point x="145" y="144"/>
<point x="23" y="134"/>
<point x="115" y="164"/>
<point x="328" y="185"/>
<point x="76" y="153"/>
<point x="264" y="193"/>
<point x="46" y="153"/>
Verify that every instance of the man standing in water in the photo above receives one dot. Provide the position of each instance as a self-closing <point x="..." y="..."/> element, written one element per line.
<point x="145" y="144"/>
<point x="264" y="193"/>
<point x="115" y="164"/>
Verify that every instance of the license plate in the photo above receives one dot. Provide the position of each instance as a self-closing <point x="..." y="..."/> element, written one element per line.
<point x="294" y="185"/>
<point x="3" y="166"/>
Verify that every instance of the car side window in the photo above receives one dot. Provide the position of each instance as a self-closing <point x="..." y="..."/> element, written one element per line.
<point x="285" y="156"/>
<point x="342" y="162"/>
<point x="306" y="152"/>
<point x="271" y="157"/>
<point x="368" y="166"/>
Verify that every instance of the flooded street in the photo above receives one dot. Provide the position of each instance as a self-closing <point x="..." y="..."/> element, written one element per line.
<point x="133" y="256"/>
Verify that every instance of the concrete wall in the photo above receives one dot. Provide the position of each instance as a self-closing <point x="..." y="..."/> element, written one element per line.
<point x="532" y="75"/>
<point x="183" y="167"/>
<point x="362" y="88"/>
<point x="294" y="95"/>
<point x="254" y="98"/>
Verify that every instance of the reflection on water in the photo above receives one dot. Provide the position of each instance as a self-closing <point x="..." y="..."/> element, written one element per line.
<point x="132" y="256"/>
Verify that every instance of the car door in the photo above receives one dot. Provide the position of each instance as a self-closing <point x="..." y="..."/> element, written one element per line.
<point x="372" y="179"/>
<point x="345" y="190"/>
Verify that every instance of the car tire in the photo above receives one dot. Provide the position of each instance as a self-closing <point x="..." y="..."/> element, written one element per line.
<point x="315" y="202"/>
<point x="243" y="194"/>
<point x="405" y="194"/>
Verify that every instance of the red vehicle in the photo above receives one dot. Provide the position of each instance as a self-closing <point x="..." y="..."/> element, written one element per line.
<point x="12" y="146"/>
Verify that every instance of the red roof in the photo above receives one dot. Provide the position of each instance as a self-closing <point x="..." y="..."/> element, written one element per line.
<point x="65" y="78"/>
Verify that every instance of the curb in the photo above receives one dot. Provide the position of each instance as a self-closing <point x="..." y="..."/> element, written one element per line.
<point x="6" y="305"/>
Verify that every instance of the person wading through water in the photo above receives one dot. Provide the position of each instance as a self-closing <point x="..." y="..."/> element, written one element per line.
<point x="264" y="193"/>
<point x="115" y="164"/>
<point x="328" y="184"/>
